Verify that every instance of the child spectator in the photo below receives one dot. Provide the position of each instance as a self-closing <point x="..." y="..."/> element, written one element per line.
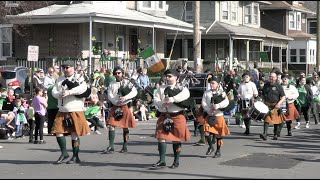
<point x="31" y="122"/>
<point x="5" y="124"/>
<point x="93" y="115"/>
<point x="143" y="111"/>
<point x="39" y="104"/>
<point x="20" y="119"/>
<point x="94" y="98"/>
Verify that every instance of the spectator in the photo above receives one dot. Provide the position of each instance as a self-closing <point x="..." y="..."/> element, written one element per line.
<point x="93" y="115"/>
<point x="56" y="73"/>
<point x="39" y="104"/>
<point x="20" y="118"/>
<point x="52" y="109"/>
<point x="109" y="78"/>
<point x="37" y="82"/>
<point x="143" y="80"/>
<point x="49" y="79"/>
<point x="31" y="122"/>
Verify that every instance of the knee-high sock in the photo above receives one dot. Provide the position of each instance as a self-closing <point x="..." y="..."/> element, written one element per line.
<point x="75" y="147"/>
<point x="195" y="125"/>
<point x="289" y="125"/>
<point x="247" y="123"/>
<point x="280" y="127"/>
<point x="265" y="128"/>
<point x="176" y="150"/>
<point x="62" y="144"/>
<point x="275" y="130"/>
<point x="125" y="137"/>
<point x="201" y="130"/>
<point x="112" y="135"/>
<point x="162" y="147"/>
<point x="210" y="140"/>
<point x="219" y="142"/>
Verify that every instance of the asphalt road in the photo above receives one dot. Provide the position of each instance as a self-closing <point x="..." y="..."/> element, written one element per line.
<point x="242" y="156"/>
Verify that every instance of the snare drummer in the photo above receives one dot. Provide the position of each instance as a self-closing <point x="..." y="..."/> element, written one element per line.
<point x="273" y="96"/>
<point x="246" y="92"/>
<point x="214" y="109"/>
<point x="166" y="105"/>
<point x="292" y="94"/>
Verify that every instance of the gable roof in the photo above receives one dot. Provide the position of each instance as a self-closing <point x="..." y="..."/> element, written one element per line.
<point x="220" y="28"/>
<point x="278" y="5"/>
<point x="79" y="13"/>
<point x="312" y="5"/>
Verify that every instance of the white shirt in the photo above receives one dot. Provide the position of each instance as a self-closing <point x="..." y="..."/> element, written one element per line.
<point x="247" y="90"/>
<point x="113" y="92"/>
<point x="48" y="81"/>
<point x="207" y="105"/>
<point x="291" y="93"/>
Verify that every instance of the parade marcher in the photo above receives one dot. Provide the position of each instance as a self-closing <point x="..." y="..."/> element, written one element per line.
<point x="213" y="102"/>
<point x="247" y="91"/>
<point x="171" y="124"/>
<point x="292" y="94"/>
<point x="120" y="94"/>
<point x="70" y="90"/>
<point x="273" y="96"/>
<point x="304" y="101"/>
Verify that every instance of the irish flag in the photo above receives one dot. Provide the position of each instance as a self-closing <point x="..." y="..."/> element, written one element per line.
<point x="151" y="59"/>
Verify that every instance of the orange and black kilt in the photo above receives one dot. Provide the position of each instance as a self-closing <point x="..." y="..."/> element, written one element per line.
<point x="180" y="132"/>
<point x="220" y="128"/>
<point x="274" y="117"/>
<point x="200" y="119"/>
<point x="81" y="126"/>
<point x="293" y="113"/>
<point x="127" y="120"/>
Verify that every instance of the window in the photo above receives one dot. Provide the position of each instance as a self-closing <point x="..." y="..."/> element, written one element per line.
<point x="5" y="41"/>
<point x="293" y="55"/>
<point x="313" y="27"/>
<point x="251" y="13"/>
<point x="189" y="13"/>
<point x="146" y="4"/>
<point x="295" y="20"/>
<point x="312" y="58"/>
<point x="225" y="10"/>
<point x="97" y="43"/>
<point x="302" y="56"/>
<point x="234" y="11"/>
<point x="160" y="5"/>
<point x="298" y="20"/>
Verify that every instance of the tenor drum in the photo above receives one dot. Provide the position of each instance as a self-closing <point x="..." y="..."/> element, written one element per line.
<point x="284" y="107"/>
<point x="246" y="104"/>
<point x="258" y="111"/>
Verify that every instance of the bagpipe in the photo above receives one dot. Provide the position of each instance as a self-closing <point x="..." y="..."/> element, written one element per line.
<point x="188" y="103"/>
<point x="218" y="98"/>
<point x="73" y="84"/>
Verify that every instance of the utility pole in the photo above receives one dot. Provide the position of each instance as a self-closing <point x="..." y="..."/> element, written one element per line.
<point x="197" y="38"/>
<point x="318" y="37"/>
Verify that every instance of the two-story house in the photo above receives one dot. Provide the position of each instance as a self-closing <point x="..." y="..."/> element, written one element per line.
<point x="232" y="33"/>
<point x="311" y="18"/>
<point x="84" y="28"/>
<point x="289" y="18"/>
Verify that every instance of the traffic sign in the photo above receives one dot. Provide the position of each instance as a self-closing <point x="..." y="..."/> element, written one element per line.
<point x="33" y="53"/>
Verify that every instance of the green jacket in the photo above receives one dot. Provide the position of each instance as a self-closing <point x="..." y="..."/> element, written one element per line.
<point x="92" y="111"/>
<point x="109" y="79"/>
<point x="52" y="102"/>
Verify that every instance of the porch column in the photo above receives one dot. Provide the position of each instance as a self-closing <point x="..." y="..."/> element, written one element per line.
<point x="185" y="48"/>
<point x="280" y="56"/>
<point x="90" y="46"/>
<point x="247" y="53"/>
<point x="230" y="52"/>
<point x="153" y="36"/>
<point x="287" y="57"/>
<point x="271" y="54"/>
<point x="261" y="48"/>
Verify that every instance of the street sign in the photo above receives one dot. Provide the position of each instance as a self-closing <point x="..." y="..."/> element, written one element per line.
<point x="33" y="53"/>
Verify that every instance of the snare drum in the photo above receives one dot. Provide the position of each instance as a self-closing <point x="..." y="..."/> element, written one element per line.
<point x="258" y="111"/>
<point x="189" y="115"/>
<point x="284" y="106"/>
<point x="246" y="103"/>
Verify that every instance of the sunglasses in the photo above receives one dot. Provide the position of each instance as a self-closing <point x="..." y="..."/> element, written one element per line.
<point x="118" y="72"/>
<point x="66" y="67"/>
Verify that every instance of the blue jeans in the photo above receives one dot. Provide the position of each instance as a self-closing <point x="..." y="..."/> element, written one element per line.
<point x="19" y="129"/>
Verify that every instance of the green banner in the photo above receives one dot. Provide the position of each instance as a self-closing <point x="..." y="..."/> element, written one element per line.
<point x="148" y="52"/>
<point x="264" y="56"/>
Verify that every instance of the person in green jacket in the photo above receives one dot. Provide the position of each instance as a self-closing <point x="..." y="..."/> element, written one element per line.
<point x="92" y="115"/>
<point x="52" y="108"/>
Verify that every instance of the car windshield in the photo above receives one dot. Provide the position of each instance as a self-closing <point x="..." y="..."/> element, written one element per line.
<point x="8" y="75"/>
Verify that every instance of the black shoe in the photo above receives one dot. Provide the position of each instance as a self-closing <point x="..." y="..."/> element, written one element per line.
<point x="31" y="141"/>
<point x="174" y="165"/>
<point x="209" y="151"/>
<point x="109" y="150"/>
<point x="159" y="164"/>
<point x="124" y="150"/>
<point x="264" y="137"/>
<point x="275" y="137"/>
<point x="74" y="160"/>
<point x="217" y="154"/>
<point x="61" y="159"/>
<point x="35" y="142"/>
<point x="289" y="134"/>
<point x="246" y="132"/>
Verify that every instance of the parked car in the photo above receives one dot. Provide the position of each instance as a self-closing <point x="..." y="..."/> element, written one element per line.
<point x="13" y="77"/>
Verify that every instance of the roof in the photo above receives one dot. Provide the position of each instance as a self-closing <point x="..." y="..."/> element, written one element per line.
<point x="278" y="5"/>
<point x="302" y="35"/>
<point x="312" y="5"/>
<point x="72" y="13"/>
<point x="220" y="28"/>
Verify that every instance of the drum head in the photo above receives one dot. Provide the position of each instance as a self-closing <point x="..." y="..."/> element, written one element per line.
<point x="261" y="107"/>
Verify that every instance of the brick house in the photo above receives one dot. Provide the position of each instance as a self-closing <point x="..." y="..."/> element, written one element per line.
<point x="289" y="18"/>
<point x="232" y="33"/>
<point x="74" y="30"/>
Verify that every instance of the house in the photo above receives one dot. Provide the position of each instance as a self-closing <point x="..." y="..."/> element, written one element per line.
<point x="82" y="29"/>
<point x="233" y="34"/>
<point x="289" y="18"/>
<point x="311" y="18"/>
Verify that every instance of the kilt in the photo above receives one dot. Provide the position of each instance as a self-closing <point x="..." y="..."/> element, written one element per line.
<point x="220" y="128"/>
<point x="274" y="117"/>
<point x="81" y="126"/>
<point x="180" y="132"/>
<point x="293" y="113"/>
<point x="127" y="121"/>
<point x="200" y="119"/>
